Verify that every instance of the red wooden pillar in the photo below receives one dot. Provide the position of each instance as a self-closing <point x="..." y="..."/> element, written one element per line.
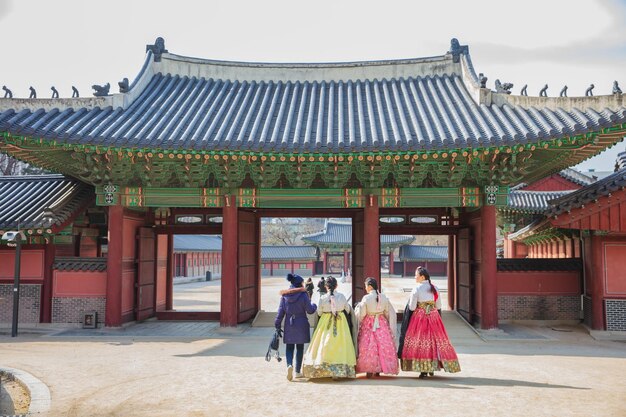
<point x="230" y="301"/>
<point x="451" y="271"/>
<point x="113" y="310"/>
<point x="371" y="245"/>
<point x="173" y="266"/>
<point x="45" y="315"/>
<point x="576" y="245"/>
<point x="324" y="262"/>
<point x="489" y="289"/>
<point x="391" y="262"/>
<point x="597" y="283"/>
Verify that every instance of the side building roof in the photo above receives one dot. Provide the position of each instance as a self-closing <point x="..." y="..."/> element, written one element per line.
<point x="422" y="253"/>
<point x="338" y="234"/>
<point x="24" y="199"/>
<point x="197" y="243"/>
<point x="297" y="253"/>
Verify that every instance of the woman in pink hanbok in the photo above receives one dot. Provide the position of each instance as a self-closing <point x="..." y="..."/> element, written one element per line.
<point x="425" y="347"/>
<point x="377" y="333"/>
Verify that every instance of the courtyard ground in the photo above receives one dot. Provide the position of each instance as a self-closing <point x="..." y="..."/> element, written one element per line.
<point x="199" y="369"/>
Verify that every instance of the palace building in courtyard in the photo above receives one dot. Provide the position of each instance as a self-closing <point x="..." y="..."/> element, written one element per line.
<point x="401" y="148"/>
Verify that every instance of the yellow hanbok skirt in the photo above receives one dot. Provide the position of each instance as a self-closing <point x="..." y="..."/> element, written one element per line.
<point x="331" y="351"/>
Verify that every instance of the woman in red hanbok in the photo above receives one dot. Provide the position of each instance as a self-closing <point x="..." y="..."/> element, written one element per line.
<point x="426" y="347"/>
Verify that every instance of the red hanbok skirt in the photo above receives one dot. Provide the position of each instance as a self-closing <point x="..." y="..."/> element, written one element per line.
<point x="426" y="344"/>
<point x="377" y="349"/>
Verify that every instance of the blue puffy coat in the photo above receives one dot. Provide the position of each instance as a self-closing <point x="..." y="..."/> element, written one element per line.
<point x="294" y="306"/>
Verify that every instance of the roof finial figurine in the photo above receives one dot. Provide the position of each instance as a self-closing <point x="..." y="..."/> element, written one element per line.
<point x="123" y="85"/>
<point x="616" y="89"/>
<point x="55" y="93"/>
<point x="503" y="88"/>
<point x="75" y="92"/>
<point x="544" y="91"/>
<point x="157" y="49"/>
<point x="101" y="90"/>
<point x="9" y="94"/>
<point x="483" y="80"/>
<point x="524" y="91"/>
<point x="563" y="92"/>
<point x="33" y="92"/>
<point x="589" y="91"/>
<point x="456" y="49"/>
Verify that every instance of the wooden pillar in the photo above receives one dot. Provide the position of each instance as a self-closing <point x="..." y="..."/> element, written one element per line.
<point x="230" y="300"/>
<point x="391" y="262"/>
<point x="371" y="245"/>
<point x="173" y="265"/>
<point x="576" y="247"/>
<point x="404" y="273"/>
<point x="451" y="271"/>
<point x="45" y="315"/>
<point x="489" y="289"/>
<point x="597" y="283"/>
<point x="113" y="310"/>
<point x="325" y="262"/>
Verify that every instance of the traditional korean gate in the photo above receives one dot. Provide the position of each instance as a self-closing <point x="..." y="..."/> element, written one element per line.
<point x="358" y="257"/>
<point x="145" y="295"/>
<point x="464" y="278"/>
<point x="248" y="280"/>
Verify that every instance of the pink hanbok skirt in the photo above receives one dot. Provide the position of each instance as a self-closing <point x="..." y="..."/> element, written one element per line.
<point x="426" y="344"/>
<point x="377" y="349"/>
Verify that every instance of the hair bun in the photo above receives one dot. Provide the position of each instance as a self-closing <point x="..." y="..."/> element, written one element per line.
<point x="290" y="277"/>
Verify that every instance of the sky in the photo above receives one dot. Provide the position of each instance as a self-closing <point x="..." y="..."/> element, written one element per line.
<point x="557" y="42"/>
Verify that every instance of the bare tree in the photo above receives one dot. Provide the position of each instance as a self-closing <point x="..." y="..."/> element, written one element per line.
<point x="288" y="231"/>
<point x="9" y="166"/>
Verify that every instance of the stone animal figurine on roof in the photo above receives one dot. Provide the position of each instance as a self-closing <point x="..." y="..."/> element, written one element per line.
<point x="101" y="90"/>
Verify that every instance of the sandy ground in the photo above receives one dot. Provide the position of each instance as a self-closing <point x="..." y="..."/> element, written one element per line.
<point x="550" y="373"/>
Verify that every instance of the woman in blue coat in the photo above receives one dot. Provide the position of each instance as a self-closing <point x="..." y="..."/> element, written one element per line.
<point x="294" y="306"/>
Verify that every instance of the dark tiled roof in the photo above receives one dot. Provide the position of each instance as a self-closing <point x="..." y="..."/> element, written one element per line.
<point x="589" y="193"/>
<point x="621" y="161"/>
<point x="539" y="264"/>
<point x="62" y="263"/>
<point x="340" y="234"/>
<point x="269" y="253"/>
<point x="533" y="201"/>
<point x="26" y="197"/>
<point x="577" y="177"/>
<point x="416" y="104"/>
<point x="197" y="243"/>
<point x="423" y="253"/>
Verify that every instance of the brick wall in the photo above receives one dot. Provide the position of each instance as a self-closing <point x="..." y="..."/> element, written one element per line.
<point x="538" y="307"/>
<point x="30" y="303"/>
<point x="587" y="313"/>
<point x="615" y="315"/>
<point x="71" y="309"/>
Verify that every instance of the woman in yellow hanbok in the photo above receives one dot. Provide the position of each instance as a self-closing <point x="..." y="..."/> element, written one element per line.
<point x="331" y="353"/>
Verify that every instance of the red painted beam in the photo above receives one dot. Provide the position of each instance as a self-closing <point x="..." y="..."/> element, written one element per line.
<point x="489" y="283"/>
<point x="113" y="310"/>
<point x="230" y="299"/>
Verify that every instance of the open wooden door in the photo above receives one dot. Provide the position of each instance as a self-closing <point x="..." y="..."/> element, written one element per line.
<point x="464" y="279"/>
<point x="248" y="280"/>
<point x="358" y="257"/>
<point x="145" y="295"/>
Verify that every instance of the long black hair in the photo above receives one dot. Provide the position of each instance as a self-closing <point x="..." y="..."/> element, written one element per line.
<point x="423" y="272"/>
<point x="372" y="281"/>
<point x="331" y="284"/>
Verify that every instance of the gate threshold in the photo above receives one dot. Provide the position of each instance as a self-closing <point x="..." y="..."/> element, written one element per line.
<point x="173" y="315"/>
